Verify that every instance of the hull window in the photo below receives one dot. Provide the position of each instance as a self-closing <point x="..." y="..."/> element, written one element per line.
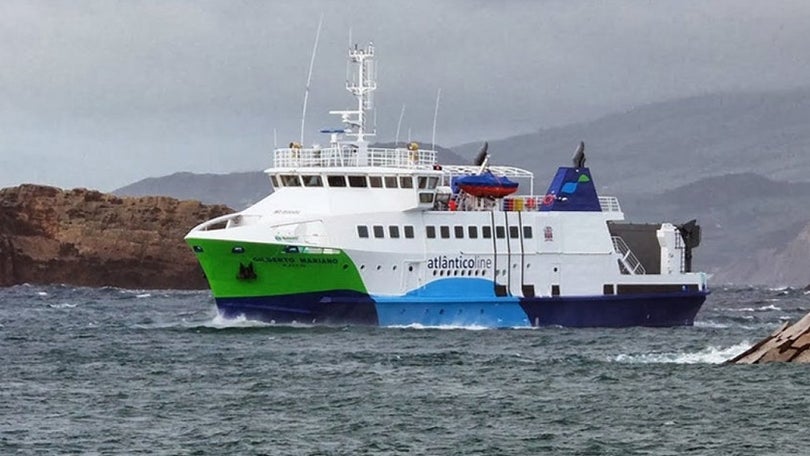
<point x="362" y="231"/>
<point x="393" y="231"/>
<point x="472" y="232"/>
<point x="408" y="232"/>
<point x="430" y="232"/>
<point x="445" y="231"/>
<point x="379" y="232"/>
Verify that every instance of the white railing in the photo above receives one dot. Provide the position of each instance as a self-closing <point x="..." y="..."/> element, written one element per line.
<point x="609" y="204"/>
<point x="293" y="157"/>
<point x="627" y="257"/>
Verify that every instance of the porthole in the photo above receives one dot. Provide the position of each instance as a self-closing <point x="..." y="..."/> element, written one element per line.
<point x="379" y="267"/>
<point x="410" y="268"/>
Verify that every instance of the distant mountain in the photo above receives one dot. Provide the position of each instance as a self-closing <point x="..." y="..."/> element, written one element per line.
<point x="236" y="190"/>
<point x="665" y="145"/>
<point x="746" y="219"/>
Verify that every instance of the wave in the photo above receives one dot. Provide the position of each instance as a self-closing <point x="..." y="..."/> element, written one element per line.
<point x="63" y="305"/>
<point x="442" y="327"/>
<point x="709" y="355"/>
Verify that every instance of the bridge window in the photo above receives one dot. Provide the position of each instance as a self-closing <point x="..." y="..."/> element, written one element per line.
<point x="422" y="182"/>
<point x="405" y="181"/>
<point x="527" y="232"/>
<point x="290" y="180"/>
<point x="433" y="182"/>
<point x="274" y="180"/>
<point x="409" y="231"/>
<point x="390" y="181"/>
<point x="486" y="232"/>
<point x="362" y="231"/>
<point x="430" y="232"/>
<point x="393" y="231"/>
<point x="445" y="231"/>
<point x="426" y="197"/>
<point x="357" y="181"/>
<point x="375" y="181"/>
<point x="379" y="232"/>
<point x="514" y="232"/>
<point x="472" y="232"/>
<point x="312" y="181"/>
<point x="459" y="231"/>
<point x="336" y="181"/>
<point x="500" y="232"/>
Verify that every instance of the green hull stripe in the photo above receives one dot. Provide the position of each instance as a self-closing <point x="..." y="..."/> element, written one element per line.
<point x="246" y="269"/>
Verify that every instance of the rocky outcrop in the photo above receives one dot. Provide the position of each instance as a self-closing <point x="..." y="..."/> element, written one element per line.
<point x="789" y="343"/>
<point x="84" y="237"/>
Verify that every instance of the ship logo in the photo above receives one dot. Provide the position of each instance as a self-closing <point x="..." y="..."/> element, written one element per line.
<point x="571" y="187"/>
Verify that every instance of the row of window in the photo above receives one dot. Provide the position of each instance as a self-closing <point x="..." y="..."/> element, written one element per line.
<point x="472" y="232"/>
<point x="379" y="231"/>
<point x="356" y="181"/>
<point x="444" y="232"/>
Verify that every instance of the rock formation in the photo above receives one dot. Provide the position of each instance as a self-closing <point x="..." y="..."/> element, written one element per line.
<point x="84" y="237"/>
<point x="789" y="343"/>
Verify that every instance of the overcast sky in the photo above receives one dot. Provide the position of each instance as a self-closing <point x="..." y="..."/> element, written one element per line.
<point x="103" y="93"/>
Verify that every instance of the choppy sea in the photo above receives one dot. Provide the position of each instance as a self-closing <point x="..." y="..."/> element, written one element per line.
<point x="112" y="371"/>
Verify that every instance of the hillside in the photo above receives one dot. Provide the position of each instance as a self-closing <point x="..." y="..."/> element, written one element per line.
<point x="236" y="190"/>
<point x="665" y="145"/>
<point x="752" y="226"/>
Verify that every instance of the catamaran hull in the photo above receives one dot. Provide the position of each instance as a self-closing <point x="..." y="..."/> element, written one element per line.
<point x="348" y="307"/>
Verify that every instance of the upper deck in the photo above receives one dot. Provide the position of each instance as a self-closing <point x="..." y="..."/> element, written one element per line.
<point x="347" y="155"/>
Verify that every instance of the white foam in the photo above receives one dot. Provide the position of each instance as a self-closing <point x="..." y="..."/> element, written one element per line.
<point x="710" y="324"/>
<point x="769" y="307"/>
<point x="709" y="355"/>
<point x="42" y="293"/>
<point x="143" y="295"/>
<point x="220" y="322"/>
<point x="442" y="327"/>
<point x="63" y="305"/>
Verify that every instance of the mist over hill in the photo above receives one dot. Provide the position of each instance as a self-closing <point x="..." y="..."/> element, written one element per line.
<point x="665" y="145"/>
<point x="236" y="190"/>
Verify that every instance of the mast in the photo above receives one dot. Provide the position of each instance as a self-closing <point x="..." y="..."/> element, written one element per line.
<point x="361" y="84"/>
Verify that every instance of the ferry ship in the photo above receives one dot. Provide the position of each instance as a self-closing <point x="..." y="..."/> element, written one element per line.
<point x="356" y="234"/>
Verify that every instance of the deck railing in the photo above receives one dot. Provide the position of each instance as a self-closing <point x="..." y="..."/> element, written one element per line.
<point x="293" y="157"/>
<point x="534" y="203"/>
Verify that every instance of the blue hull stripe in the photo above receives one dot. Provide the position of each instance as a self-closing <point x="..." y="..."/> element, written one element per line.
<point x="347" y="307"/>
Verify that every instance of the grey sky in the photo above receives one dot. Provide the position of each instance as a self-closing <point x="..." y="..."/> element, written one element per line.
<point x="103" y="93"/>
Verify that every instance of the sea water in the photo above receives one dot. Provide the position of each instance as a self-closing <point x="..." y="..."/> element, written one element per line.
<point x="111" y="371"/>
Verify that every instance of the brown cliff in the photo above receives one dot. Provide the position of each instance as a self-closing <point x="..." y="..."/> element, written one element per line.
<point x="84" y="237"/>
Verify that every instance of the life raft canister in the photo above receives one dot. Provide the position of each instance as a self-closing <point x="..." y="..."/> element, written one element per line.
<point x="548" y="199"/>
